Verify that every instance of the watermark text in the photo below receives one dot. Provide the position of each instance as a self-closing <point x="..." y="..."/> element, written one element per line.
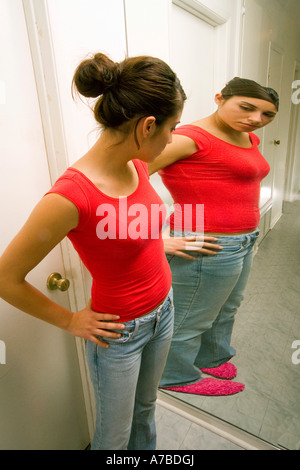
<point x="152" y="459"/>
<point x="138" y="221"/>
<point x="296" y="354"/>
<point x="2" y="352"/>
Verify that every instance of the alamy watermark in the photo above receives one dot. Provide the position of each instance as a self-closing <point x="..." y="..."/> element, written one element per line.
<point x="296" y="94"/>
<point x="296" y="354"/>
<point x="2" y="352"/>
<point x="138" y="221"/>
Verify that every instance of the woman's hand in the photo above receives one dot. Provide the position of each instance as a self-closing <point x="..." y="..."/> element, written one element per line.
<point x="201" y="244"/>
<point x="89" y="324"/>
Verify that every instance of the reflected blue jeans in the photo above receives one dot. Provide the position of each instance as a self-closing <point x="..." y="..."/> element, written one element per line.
<point x="207" y="293"/>
<point x="125" y="378"/>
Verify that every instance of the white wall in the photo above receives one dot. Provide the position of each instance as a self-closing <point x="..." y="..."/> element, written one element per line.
<point x="79" y="28"/>
<point x="147" y="25"/>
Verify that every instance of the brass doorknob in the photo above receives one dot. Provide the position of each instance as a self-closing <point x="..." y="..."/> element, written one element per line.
<point x="55" y="281"/>
<point x="276" y="142"/>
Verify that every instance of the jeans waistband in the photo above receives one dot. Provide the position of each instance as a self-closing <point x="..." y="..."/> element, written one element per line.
<point x="156" y="309"/>
<point x="237" y="236"/>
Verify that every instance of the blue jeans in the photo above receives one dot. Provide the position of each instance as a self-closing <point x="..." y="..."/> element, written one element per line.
<point x="207" y="293"/>
<point x="125" y="378"/>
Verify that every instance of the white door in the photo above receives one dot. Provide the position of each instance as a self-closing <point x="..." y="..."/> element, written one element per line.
<point x="193" y="61"/>
<point x="41" y="398"/>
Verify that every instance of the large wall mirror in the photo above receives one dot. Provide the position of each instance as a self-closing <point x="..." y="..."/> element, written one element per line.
<point x="268" y="322"/>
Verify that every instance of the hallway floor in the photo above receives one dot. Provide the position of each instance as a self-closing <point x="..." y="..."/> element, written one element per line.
<point x="175" y="432"/>
<point x="267" y="324"/>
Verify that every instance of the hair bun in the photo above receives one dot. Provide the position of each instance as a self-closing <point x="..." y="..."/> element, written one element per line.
<point x="129" y="90"/>
<point x="95" y="76"/>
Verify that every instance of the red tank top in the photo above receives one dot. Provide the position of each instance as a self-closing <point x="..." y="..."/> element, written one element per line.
<point x="222" y="177"/>
<point x="119" y="241"/>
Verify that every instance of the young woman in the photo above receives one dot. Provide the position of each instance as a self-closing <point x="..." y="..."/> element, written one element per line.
<point x="128" y="322"/>
<point x="214" y="162"/>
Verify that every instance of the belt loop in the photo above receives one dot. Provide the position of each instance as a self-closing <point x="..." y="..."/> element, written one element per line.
<point x="136" y="327"/>
<point x="158" y="314"/>
<point x="157" y="318"/>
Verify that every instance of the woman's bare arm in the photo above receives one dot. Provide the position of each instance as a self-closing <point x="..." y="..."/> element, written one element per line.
<point x="180" y="147"/>
<point x="51" y="220"/>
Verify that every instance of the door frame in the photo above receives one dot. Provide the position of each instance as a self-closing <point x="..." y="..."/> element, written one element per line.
<point x="227" y="64"/>
<point x="40" y="40"/>
<point x="201" y="11"/>
<point x="269" y="205"/>
<point x="290" y="162"/>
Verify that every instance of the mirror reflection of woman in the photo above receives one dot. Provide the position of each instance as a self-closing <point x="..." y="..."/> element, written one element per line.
<point x="215" y="162"/>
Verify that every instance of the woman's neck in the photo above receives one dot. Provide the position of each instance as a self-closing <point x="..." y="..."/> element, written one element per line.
<point x="217" y="127"/>
<point x="224" y="128"/>
<point x="110" y="154"/>
<point x="108" y="165"/>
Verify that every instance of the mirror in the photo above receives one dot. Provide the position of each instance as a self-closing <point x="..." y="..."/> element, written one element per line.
<point x="266" y="334"/>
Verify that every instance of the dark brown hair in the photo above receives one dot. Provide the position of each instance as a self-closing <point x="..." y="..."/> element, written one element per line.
<point x="244" y="87"/>
<point x="136" y="87"/>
